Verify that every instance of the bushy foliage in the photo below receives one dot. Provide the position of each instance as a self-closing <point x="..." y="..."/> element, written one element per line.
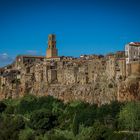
<point x="27" y="104"/>
<point x="129" y="116"/>
<point x="42" y="120"/>
<point x="10" y="127"/>
<point x="47" y="118"/>
<point x="26" y="134"/>
<point x="54" y="137"/>
<point x="10" y="110"/>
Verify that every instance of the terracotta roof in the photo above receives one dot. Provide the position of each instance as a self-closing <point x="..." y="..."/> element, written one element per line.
<point x="134" y="43"/>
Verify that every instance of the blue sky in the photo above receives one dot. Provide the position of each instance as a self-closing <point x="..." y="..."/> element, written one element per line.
<point x="81" y="26"/>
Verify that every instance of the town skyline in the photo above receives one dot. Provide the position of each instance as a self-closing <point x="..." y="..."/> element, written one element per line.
<point x="81" y="27"/>
<point x="10" y="60"/>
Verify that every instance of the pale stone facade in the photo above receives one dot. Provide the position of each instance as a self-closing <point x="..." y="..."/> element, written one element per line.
<point x="121" y="69"/>
<point x="111" y="67"/>
<point x="132" y="52"/>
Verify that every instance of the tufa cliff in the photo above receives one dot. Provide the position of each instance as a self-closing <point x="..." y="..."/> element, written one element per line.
<point x="98" y="79"/>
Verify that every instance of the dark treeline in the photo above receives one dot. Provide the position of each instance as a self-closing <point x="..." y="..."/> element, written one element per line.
<point x="47" y="118"/>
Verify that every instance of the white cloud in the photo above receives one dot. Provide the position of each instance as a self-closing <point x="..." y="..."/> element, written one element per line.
<point x="4" y="56"/>
<point x="5" y="59"/>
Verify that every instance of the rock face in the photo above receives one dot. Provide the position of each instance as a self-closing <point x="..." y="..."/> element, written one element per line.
<point x="129" y="90"/>
<point x="98" y="80"/>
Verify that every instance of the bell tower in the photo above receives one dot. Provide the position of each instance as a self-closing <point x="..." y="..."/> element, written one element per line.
<point x="51" y="50"/>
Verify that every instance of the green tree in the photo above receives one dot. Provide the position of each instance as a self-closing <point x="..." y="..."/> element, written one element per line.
<point x="46" y="102"/>
<point x="10" y="127"/>
<point x="42" y="120"/>
<point x="129" y="117"/>
<point x="67" y="117"/>
<point x="27" y="104"/>
<point x="108" y="114"/>
<point x="100" y="132"/>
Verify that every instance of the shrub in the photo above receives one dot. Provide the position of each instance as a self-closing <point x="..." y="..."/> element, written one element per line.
<point x="27" y="104"/>
<point x="2" y="106"/>
<point x="129" y="116"/>
<point x="42" y="120"/>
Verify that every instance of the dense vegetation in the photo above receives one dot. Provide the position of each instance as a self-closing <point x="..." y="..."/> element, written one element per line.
<point x="46" y="118"/>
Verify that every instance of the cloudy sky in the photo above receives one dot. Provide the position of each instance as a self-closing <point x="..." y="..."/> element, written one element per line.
<point x="81" y="26"/>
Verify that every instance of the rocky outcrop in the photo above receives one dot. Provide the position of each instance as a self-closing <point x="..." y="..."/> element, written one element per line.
<point x="99" y="92"/>
<point x="129" y="90"/>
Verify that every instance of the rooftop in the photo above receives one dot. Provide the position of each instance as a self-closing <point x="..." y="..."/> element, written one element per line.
<point x="30" y="56"/>
<point x="134" y="43"/>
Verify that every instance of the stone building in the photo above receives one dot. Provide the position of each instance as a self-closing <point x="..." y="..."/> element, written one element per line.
<point x="52" y="75"/>
<point x="95" y="67"/>
<point x="133" y="68"/>
<point x="121" y="69"/>
<point x="120" y="54"/>
<point x="132" y="52"/>
<point x="22" y="60"/>
<point x="52" y="50"/>
<point x="111" y="66"/>
<point x="70" y="75"/>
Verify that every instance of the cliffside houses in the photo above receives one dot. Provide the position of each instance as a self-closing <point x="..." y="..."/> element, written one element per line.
<point x="30" y="71"/>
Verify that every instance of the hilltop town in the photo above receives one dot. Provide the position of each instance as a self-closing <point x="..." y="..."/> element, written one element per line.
<point x="91" y="78"/>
